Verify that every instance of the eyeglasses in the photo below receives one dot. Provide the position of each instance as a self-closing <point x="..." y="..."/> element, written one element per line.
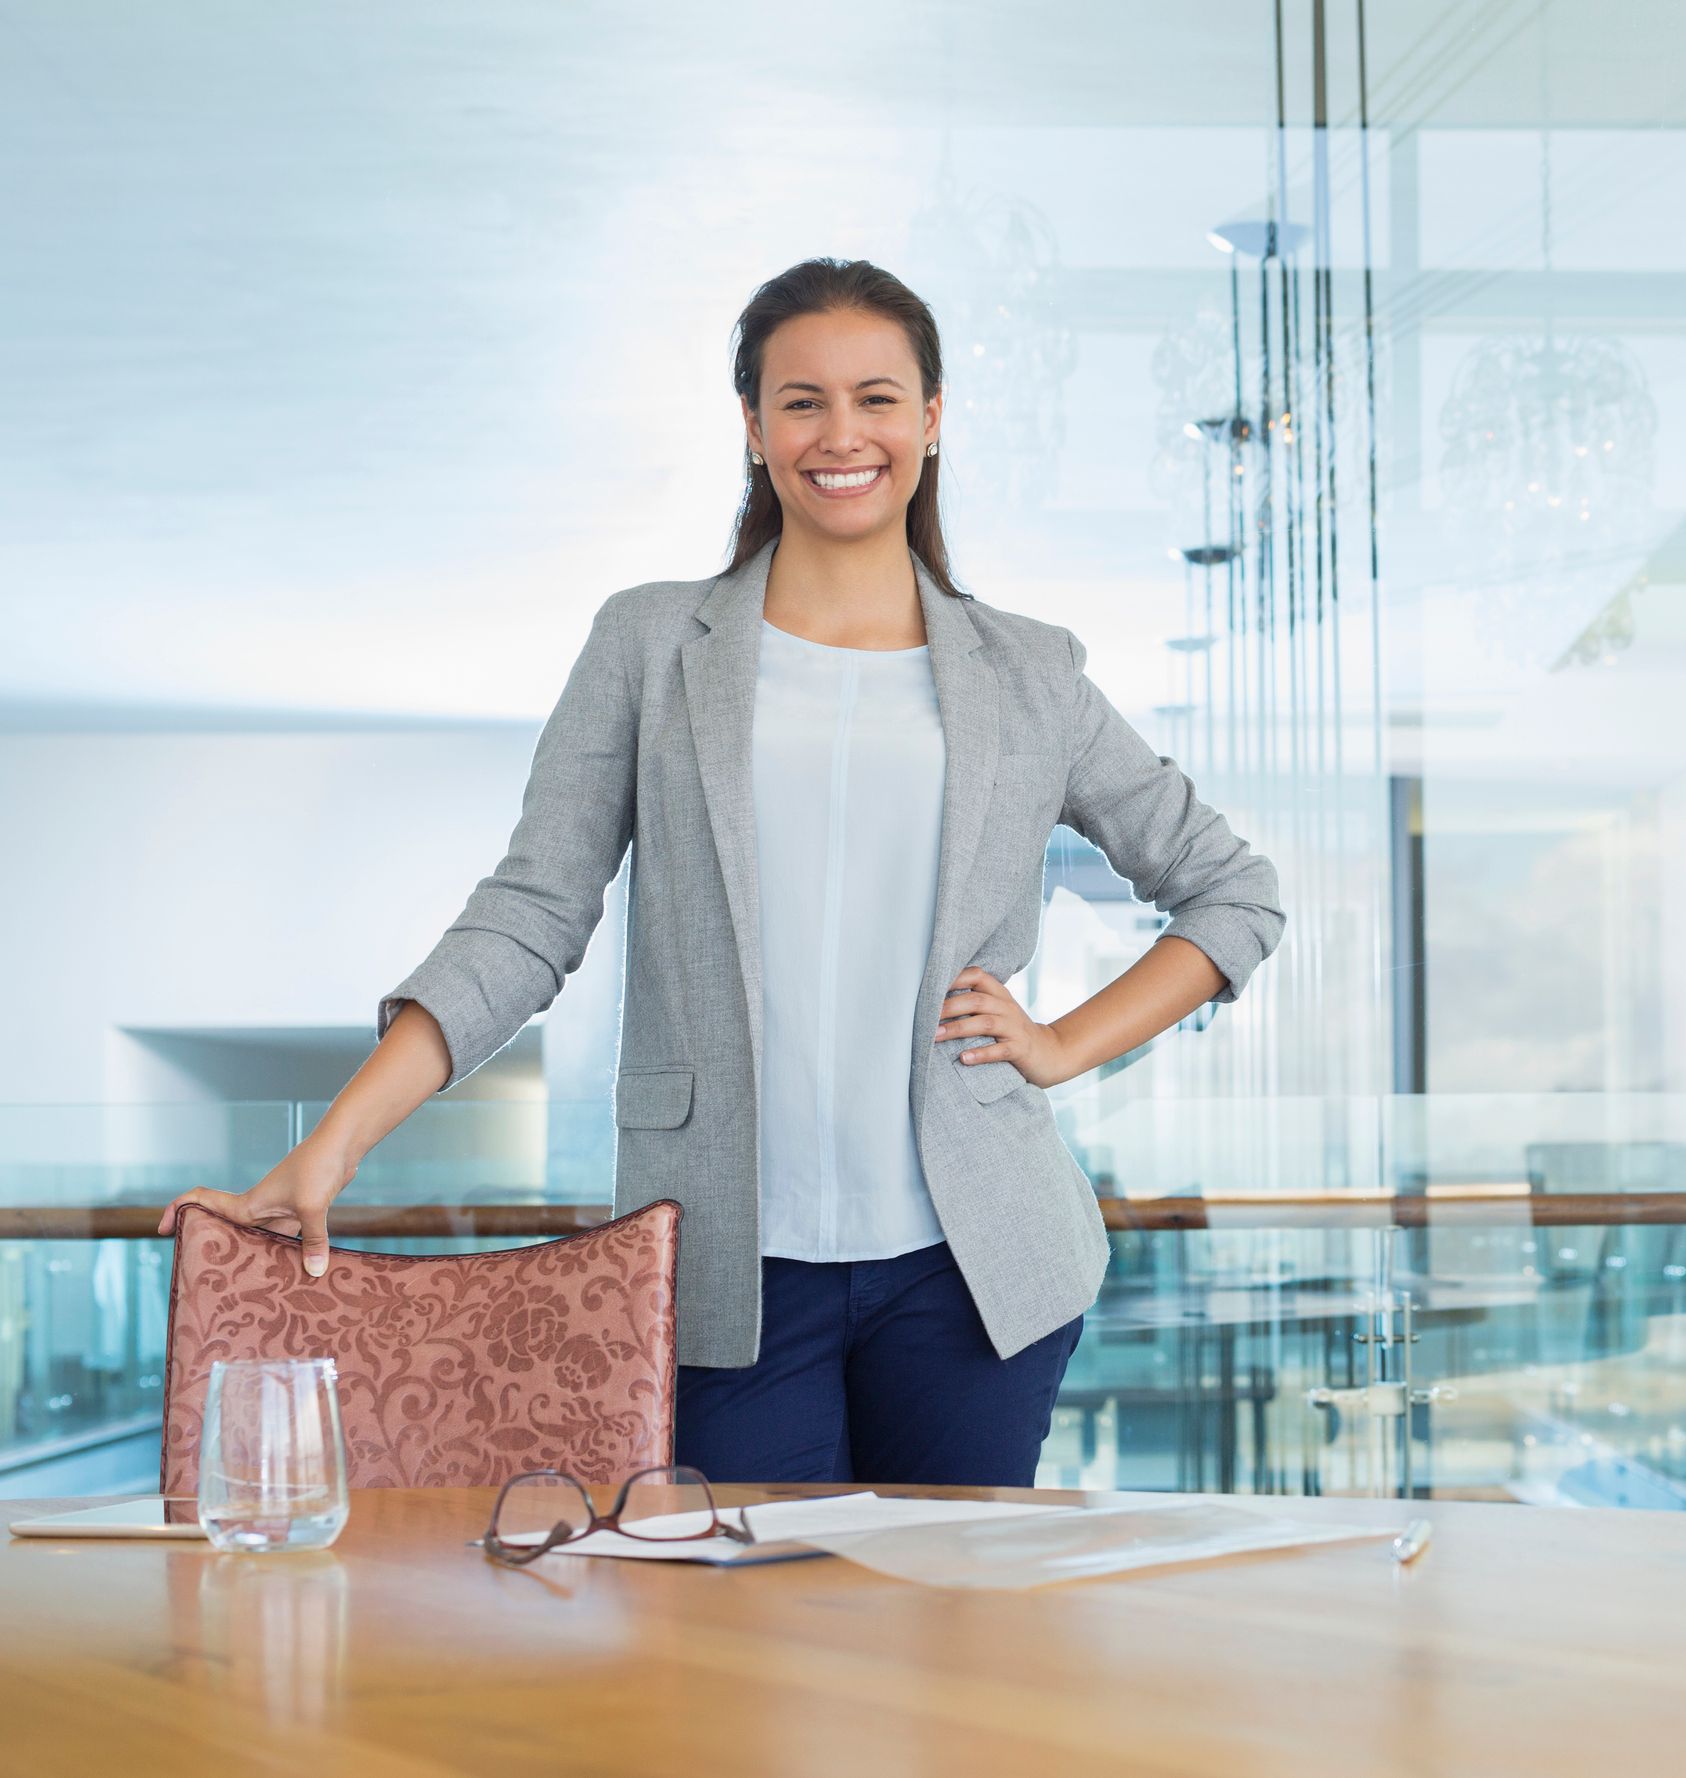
<point x="541" y="1509"/>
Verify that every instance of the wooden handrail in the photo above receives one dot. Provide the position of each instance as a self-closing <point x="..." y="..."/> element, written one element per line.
<point x="1468" y="1207"/>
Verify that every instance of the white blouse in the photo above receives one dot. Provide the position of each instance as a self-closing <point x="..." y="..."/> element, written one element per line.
<point x="849" y="761"/>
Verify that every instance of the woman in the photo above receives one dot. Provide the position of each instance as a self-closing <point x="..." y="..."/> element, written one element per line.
<point x="838" y="774"/>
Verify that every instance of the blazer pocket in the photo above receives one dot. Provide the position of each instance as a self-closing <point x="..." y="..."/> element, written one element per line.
<point x="989" y="1080"/>
<point x="653" y="1098"/>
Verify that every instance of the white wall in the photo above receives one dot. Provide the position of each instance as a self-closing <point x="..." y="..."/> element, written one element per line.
<point x="273" y="880"/>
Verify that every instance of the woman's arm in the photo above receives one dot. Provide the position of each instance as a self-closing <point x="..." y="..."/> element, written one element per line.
<point x="525" y="928"/>
<point x="504" y="957"/>
<point x="1165" y="984"/>
<point x="1141" y="810"/>
<point x="407" y="1067"/>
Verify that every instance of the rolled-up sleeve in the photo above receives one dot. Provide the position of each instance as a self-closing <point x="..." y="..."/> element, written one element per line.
<point x="1141" y="810"/>
<point x="526" y="926"/>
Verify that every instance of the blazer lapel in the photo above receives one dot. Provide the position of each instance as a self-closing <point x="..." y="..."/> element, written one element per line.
<point x="720" y="672"/>
<point x="968" y="696"/>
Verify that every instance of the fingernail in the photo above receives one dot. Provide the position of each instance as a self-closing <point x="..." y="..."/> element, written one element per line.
<point x="315" y="1264"/>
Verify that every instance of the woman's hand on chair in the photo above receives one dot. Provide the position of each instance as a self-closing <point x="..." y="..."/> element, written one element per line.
<point x="292" y="1198"/>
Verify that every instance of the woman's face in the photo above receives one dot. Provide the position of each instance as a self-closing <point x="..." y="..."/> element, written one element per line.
<point x="839" y="393"/>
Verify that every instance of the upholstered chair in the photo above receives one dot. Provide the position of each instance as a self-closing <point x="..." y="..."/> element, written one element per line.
<point x="454" y="1370"/>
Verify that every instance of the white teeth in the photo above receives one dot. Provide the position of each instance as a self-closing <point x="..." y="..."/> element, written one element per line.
<point x="859" y="479"/>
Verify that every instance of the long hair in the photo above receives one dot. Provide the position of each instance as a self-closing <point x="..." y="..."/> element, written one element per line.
<point x="817" y="287"/>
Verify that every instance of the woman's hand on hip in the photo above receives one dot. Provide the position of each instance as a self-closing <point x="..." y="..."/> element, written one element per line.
<point x="978" y="1005"/>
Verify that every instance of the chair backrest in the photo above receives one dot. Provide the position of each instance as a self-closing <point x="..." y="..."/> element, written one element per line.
<point x="455" y="1370"/>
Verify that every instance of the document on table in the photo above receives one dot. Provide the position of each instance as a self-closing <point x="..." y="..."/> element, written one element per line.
<point x="779" y="1525"/>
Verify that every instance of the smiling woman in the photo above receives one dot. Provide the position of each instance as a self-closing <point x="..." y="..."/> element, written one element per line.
<point x="838" y="371"/>
<point x="838" y="775"/>
<point x="882" y="734"/>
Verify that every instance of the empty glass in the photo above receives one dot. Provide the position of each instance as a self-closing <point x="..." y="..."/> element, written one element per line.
<point x="272" y="1458"/>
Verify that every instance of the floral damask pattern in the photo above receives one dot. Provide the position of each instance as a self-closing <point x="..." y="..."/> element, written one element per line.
<point x="455" y="1370"/>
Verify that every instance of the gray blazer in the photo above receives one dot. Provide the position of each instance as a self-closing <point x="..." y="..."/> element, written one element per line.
<point x="649" y="745"/>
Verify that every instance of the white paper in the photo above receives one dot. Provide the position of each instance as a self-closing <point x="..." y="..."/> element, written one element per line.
<point x="952" y="1542"/>
<point x="784" y="1521"/>
<point x="1075" y="1544"/>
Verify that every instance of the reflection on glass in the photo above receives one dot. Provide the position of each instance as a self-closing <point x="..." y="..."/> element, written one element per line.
<point x="273" y="1634"/>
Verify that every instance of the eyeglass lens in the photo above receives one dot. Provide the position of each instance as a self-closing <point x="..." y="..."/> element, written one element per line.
<point x="533" y="1505"/>
<point x="675" y="1496"/>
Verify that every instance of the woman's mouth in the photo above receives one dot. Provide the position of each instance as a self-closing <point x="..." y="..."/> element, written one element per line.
<point x="842" y="484"/>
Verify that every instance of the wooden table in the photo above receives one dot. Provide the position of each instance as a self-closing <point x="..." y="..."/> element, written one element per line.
<point x="1527" y="1640"/>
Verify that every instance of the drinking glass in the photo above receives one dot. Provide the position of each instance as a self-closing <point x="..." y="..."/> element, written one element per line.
<point x="272" y="1458"/>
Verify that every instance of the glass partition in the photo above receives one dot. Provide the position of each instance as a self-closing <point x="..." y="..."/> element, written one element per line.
<point x="1440" y="1325"/>
<point x="83" y="1319"/>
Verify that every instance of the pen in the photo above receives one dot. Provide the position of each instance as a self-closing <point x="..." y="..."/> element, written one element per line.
<point x="1412" y="1541"/>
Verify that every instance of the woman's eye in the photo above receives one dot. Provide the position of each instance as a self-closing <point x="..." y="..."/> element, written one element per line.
<point x="805" y="402"/>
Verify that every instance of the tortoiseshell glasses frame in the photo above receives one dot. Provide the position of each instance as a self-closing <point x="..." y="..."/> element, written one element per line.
<point x="586" y="1519"/>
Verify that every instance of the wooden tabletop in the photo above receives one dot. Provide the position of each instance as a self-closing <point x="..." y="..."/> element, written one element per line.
<point x="1526" y="1640"/>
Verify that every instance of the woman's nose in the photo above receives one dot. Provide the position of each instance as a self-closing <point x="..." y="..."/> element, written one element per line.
<point x="842" y="435"/>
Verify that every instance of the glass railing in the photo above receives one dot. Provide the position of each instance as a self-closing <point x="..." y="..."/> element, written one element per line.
<point x="1490" y="1304"/>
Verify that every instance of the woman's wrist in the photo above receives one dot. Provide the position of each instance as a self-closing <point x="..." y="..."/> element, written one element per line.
<point x="334" y="1153"/>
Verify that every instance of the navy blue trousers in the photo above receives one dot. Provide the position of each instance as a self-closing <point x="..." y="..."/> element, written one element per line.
<point x="873" y="1370"/>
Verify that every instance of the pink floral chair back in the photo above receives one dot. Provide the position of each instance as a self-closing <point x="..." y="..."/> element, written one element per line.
<point x="455" y="1370"/>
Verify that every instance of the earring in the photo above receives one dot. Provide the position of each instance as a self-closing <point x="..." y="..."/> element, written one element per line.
<point x="931" y="448"/>
<point x="756" y="457"/>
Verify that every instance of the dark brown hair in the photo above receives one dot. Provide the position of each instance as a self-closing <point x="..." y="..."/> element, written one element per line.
<point x="818" y="287"/>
